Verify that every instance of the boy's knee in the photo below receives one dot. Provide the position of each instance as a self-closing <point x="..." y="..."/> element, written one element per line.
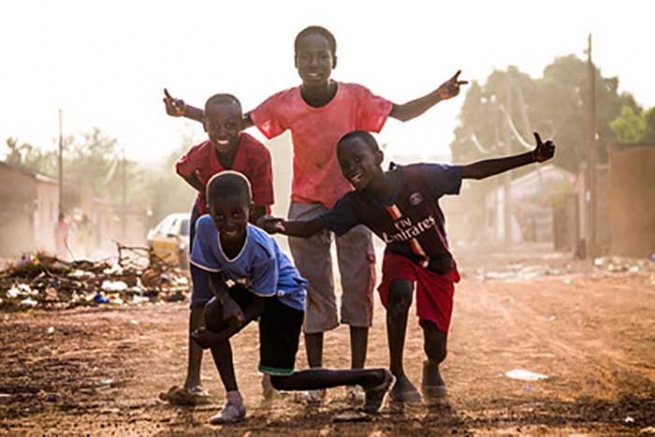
<point x="214" y="316"/>
<point x="400" y="296"/>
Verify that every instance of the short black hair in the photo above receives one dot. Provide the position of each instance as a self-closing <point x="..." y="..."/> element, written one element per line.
<point x="229" y="183"/>
<point x="223" y="99"/>
<point x="364" y="136"/>
<point x="318" y="30"/>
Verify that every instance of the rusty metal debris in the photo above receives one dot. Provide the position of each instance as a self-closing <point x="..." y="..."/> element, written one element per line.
<point x="137" y="276"/>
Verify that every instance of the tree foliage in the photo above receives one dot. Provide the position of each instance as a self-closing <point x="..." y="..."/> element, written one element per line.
<point x="635" y="126"/>
<point x="555" y="105"/>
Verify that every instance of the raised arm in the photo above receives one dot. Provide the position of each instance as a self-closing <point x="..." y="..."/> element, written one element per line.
<point x="490" y="167"/>
<point x="292" y="228"/>
<point x="177" y="108"/>
<point x="414" y="108"/>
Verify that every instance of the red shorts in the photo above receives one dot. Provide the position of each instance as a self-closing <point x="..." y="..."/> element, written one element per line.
<point x="434" y="292"/>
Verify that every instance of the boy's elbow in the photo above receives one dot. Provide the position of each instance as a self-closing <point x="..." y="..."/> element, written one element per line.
<point x="400" y="113"/>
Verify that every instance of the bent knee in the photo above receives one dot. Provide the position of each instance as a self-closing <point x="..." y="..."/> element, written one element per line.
<point x="400" y="296"/>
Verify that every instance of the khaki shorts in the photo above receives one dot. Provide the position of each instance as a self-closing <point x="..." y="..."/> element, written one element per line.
<point x="356" y="261"/>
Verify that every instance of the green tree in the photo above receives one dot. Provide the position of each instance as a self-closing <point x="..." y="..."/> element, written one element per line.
<point x="555" y="105"/>
<point x="629" y="127"/>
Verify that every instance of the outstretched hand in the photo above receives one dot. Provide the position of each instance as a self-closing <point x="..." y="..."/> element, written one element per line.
<point x="270" y="224"/>
<point x="544" y="150"/>
<point x="450" y="88"/>
<point x="174" y="107"/>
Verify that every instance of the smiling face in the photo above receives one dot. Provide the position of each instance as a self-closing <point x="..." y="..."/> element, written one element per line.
<point x="230" y="215"/>
<point x="359" y="163"/>
<point x="315" y="59"/>
<point x="223" y="124"/>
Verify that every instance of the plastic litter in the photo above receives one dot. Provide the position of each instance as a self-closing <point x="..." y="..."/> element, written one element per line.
<point x="525" y="375"/>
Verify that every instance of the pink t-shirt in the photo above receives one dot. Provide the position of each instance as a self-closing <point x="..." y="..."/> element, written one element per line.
<point x="315" y="132"/>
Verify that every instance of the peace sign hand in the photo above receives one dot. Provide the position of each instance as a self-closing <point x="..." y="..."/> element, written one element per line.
<point x="450" y="88"/>
<point x="174" y="107"/>
<point x="543" y="151"/>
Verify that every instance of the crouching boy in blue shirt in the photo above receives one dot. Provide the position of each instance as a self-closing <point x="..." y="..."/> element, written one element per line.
<point x="250" y="277"/>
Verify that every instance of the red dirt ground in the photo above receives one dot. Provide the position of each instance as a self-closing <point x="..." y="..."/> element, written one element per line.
<point x="99" y="371"/>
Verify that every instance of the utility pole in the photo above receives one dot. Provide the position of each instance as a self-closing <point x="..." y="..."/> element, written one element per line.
<point x="507" y="178"/>
<point x="123" y="196"/>
<point x="61" y="164"/>
<point x="591" y="195"/>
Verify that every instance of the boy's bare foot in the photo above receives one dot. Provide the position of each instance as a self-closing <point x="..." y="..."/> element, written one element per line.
<point x="375" y="395"/>
<point x="433" y="385"/>
<point x="404" y="391"/>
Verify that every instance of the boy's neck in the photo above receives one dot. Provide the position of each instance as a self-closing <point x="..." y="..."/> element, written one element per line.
<point x="226" y="159"/>
<point x="318" y="96"/>
<point x="233" y="248"/>
<point x="383" y="185"/>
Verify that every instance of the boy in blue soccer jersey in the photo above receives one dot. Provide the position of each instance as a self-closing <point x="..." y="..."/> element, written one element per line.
<point x="401" y="207"/>
<point x="250" y="277"/>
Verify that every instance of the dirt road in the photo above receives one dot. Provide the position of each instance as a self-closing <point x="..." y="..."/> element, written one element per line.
<point x="99" y="371"/>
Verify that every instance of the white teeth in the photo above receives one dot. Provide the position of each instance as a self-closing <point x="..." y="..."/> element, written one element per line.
<point x="223" y="142"/>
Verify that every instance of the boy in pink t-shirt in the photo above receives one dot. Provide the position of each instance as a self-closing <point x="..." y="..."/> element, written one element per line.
<point x="318" y="113"/>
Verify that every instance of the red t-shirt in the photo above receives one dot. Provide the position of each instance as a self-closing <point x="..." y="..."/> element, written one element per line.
<point x="315" y="133"/>
<point x="252" y="159"/>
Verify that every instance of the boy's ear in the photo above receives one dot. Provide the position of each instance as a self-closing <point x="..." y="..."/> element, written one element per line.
<point x="295" y="60"/>
<point x="204" y="123"/>
<point x="379" y="157"/>
<point x="334" y="62"/>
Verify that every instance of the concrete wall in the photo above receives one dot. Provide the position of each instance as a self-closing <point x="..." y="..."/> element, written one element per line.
<point x="632" y="200"/>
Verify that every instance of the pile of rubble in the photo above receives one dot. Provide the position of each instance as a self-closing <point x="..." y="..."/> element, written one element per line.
<point x="43" y="281"/>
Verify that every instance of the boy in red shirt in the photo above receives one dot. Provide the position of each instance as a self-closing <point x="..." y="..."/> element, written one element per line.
<point x="318" y="113"/>
<point x="228" y="148"/>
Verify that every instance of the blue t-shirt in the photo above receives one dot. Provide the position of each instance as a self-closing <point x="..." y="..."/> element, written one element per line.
<point x="260" y="265"/>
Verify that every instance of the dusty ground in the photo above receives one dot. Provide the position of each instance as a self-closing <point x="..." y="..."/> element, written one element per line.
<point x="99" y="371"/>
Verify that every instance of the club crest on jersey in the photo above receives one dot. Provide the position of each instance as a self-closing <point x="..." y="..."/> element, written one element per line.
<point x="415" y="199"/>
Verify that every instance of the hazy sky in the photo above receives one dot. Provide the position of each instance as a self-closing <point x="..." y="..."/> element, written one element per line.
<point x="105" y="62"/>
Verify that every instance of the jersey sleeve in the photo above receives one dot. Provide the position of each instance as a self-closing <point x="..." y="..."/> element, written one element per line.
<point x="186" y="165"/>
<point x="341" y="217"/>
<point x="261" y="177"/>
<point x="267" y="116"/>
<point x="373" y="110"/>
<point x="202" y="254"/>
<point x="265" y="274"/>
<point x="443" y="179"/>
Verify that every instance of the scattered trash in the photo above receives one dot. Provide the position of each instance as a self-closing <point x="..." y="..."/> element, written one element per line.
<point x="51" y="330"/>
<point x="649" y="430"/>
<point x="618" y="264"/>
<point x="51" y="294"/>
<point x="29" y="302"/>
<point x="106" y="381"/>
<point x="114" y="286"/>
<point x="99" y="298"/>
<point x="525" y="375"/>
<point x="629" y="419"/>
<point x="24" y="259"/>
<point x="40" y="280"/>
